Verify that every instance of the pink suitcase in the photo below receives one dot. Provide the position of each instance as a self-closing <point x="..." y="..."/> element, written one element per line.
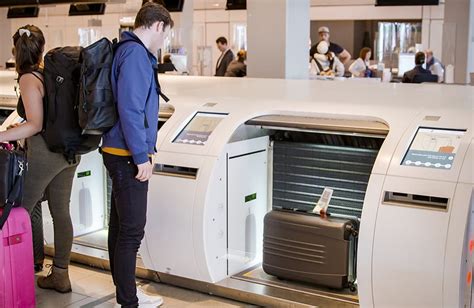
<point x="17" y="278"/>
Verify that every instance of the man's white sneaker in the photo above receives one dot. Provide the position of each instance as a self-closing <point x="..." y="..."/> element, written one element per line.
<point x="148" y="301"/>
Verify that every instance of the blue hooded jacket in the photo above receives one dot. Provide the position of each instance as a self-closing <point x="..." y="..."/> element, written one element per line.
<point x="136" y="93"/>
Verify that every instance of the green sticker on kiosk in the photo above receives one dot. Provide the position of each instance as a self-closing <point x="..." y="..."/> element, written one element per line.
<point x="250" y="197"/>
<point x="84" y="174"/>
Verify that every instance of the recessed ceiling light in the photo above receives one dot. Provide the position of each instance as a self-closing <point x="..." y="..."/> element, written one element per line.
<point x="216" y="4"/>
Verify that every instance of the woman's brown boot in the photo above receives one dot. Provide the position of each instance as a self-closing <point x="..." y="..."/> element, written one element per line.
<point x="57" y="279"/>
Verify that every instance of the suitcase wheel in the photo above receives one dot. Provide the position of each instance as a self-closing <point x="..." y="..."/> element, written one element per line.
<point x="352" y="287"/>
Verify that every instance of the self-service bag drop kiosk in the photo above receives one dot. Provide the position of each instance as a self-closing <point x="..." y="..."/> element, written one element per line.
<point x="215" y="178"/>
<point x="217" y="174"/>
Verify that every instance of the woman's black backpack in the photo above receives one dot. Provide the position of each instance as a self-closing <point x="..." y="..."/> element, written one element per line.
<point x="79" y="105"/>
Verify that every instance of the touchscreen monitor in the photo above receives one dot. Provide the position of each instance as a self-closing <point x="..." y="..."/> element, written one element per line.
<point x="199" y="128"/>
<point x="433" y="148"/>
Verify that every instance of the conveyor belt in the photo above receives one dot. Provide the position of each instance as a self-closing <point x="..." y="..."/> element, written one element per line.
<point x="301" y="171"/>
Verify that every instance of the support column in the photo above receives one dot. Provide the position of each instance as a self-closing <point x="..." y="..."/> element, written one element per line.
<point x="278" y="38"/>
<point x="456" y="38"/>
<point x="187" y="20"/>
<point x="7" y="42"/>
<point x="183" y="32"/>
<point x="470" y="52"/>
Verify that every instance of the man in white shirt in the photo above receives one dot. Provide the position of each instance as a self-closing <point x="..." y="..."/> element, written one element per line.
<point x="226" y="57"/>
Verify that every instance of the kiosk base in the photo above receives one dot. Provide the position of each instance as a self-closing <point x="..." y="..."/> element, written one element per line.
<point x="252" y="286"/>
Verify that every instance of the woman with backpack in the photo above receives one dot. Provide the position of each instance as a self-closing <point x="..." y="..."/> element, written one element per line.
<point x="48" y="173"/>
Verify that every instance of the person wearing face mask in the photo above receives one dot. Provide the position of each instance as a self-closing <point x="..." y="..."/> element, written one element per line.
<point x="325" y="62"/>
<point x="128" y="147"/>
<point x="360" y="67"/>
<point x="238" y="68"/>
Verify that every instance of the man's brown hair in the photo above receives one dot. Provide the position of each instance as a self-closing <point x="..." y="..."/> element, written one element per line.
<point x="222" y="40"/>
<point x="162" y="2"/>
<point x="151" y="13"/>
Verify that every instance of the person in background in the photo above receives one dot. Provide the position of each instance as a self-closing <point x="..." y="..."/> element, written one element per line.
<point x="360" y="67"/>
<point x="434" y="65"/>
<point x="238" y="68"/>
<point x="325" y="62"/>
<point x="419" y="74"/>
<point x="167" y="58"/>
<point x="127" y="148"/>
<point x="339" y="51"/>
<point x="226" y="57"/>
<point x="167" y="65"/>
<point x="48" y="172"/>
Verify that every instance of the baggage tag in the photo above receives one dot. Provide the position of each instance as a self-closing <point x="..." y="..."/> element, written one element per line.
<point x="323" y="202"/>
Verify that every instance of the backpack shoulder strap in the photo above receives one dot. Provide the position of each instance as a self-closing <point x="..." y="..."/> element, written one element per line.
<point x="34" y="73"/>
<point x="331" y="63"/>
<point x="117" y="44"/>
<point x="320" y="67"/>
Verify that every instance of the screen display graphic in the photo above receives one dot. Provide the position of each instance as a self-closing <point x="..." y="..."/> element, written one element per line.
<point x="198" y="130"/>
<point x="433" y="148"/>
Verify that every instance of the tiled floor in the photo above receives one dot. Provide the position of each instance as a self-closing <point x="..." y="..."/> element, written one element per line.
<point x="93" y="288"/>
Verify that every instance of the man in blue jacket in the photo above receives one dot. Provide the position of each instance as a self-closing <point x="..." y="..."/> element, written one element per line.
<point x="128" y="147"/>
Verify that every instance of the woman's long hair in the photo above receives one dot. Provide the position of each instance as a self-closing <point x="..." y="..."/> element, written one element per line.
<point x="29" y="46"/>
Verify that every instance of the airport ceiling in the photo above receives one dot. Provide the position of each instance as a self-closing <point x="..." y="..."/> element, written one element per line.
<point x="220" y="4"/>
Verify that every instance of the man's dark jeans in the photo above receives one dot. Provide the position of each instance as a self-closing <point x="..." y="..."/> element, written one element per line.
<point x="126" y="226"/>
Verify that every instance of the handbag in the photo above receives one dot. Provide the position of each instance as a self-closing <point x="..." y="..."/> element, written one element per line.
<point x="13" y="167"/>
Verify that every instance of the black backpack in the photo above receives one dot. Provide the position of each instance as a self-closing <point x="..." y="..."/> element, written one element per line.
<point x="80" y="106"/>
<point x="61" y="130"/>
<point x="97" y="108"/>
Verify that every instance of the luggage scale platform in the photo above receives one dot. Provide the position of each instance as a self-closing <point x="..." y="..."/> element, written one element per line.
<point x="300" y="292"/>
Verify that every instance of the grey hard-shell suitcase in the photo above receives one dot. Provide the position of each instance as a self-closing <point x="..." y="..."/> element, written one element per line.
<point x="305" y="247"/>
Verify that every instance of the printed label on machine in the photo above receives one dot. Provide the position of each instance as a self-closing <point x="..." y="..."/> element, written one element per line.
<point x="198" y="130"/>
<point x="433" y="148"/>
